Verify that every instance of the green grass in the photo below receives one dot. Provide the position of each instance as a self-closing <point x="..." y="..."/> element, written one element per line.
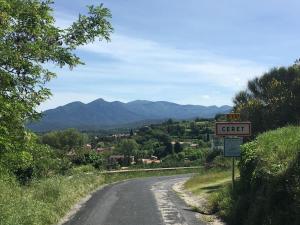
<point x="220" y="201"/>
<point x="45" y="202"/>
<point x="276" y="149"/>
<point x="207" y="185"/>
<point x="208" y="182"/>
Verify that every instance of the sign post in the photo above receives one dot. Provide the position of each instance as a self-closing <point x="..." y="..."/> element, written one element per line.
<point x="233" y="172"/>
<point x="232" y="132"/>
<point x="232" y="148"/>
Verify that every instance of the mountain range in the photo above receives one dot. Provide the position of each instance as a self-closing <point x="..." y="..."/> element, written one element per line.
<point x="100" y="114"/>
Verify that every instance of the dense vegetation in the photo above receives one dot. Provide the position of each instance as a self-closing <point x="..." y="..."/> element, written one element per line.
<point x="182" y="143"/>
<point x="268" y="189"/>
<point x="272" y="100"/>
<point x="29" y="40"/>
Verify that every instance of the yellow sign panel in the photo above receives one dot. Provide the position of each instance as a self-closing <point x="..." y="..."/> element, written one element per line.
<point x="233" y="116"/>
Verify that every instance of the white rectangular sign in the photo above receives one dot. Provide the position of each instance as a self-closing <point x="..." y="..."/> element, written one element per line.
<point x="233" y="129"/>
<point x="232" y="147"/>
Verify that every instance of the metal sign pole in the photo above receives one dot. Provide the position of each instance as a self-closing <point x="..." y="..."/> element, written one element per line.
<point x="232" y="172"/>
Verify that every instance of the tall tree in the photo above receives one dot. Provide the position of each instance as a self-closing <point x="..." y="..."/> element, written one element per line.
<point x="29" y="40"/>
<point x="272" y="100"/>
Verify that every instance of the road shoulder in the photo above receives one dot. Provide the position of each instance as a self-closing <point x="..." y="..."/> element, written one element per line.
<point x="198" y="203"/>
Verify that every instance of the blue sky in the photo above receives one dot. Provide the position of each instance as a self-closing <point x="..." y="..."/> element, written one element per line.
<point x="189" y="52"/>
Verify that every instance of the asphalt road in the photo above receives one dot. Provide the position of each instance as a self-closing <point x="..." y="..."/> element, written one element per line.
<point x="145" y="201"/>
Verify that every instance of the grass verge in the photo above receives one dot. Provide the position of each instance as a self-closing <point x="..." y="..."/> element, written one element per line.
<point x="206" y="188"/>
<point x="45" y="201"/>
<point x="209" y="182"/>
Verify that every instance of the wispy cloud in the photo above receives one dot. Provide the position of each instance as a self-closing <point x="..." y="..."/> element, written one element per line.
<point x="151" y="60"/>
<point x="129" y="68"/>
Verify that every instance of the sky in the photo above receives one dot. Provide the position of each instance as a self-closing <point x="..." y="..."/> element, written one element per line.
<point x="199" y="52"/>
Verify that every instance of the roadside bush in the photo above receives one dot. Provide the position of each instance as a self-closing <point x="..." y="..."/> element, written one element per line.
<point x="44" y="201"/>
<point x="195" y="154"/>
<point x="211" y="155"/>
<point x="96" y="160"/>
<point x="85" y="156"/>
<point x="222" y="162"/>
<point x="47" y="162"/>
<point x="268" y="192"/>
<point x="221" y="202"/>
<point x="34" y="161"/>
<point x="20" y="163"/>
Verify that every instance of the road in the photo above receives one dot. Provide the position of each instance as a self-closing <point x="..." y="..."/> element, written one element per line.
<point x="144" y="201"/>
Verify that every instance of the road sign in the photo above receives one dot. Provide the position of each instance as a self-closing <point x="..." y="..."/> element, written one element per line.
<point x="241" y="129"/>
<point x="233" y="116"/>
<point x="217" y="143"/>
<point x="232" y="147"/>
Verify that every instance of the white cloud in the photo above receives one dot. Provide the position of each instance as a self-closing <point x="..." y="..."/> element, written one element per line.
<point x="139" y="57"/>
<point x="136" y="68"/>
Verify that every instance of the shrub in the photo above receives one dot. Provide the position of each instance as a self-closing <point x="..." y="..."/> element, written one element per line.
<point x="47" y="162"/>
<point x="268" y="191"/>
<point x="20" y="163"/>
<point x="96" y="160"/>
<point x="211" y="155"/>
<point x="194" y="154"/>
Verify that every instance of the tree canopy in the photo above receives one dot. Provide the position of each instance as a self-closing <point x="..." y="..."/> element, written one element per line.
<point x="65" y="140"/>
<point x="29" y="42"/>
<point x="272" y="100"/>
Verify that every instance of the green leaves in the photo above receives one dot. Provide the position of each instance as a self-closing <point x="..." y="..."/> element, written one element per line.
<point x="15" y="161"/>
<point x="90" y="27"/>
<point x="28" y="40"/>
<point x="271" y="100"/>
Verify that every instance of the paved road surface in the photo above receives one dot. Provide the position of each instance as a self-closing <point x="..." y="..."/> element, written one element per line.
<point x="145" y="201"/>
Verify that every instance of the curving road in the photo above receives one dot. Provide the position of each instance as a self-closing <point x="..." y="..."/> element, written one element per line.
<point x="145" y="201"/>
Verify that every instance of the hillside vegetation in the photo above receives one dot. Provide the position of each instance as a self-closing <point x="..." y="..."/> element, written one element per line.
<point x="268" y="191"/>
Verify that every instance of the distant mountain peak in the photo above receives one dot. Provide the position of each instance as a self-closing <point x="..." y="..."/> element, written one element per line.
<point x="98" y="100"/>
